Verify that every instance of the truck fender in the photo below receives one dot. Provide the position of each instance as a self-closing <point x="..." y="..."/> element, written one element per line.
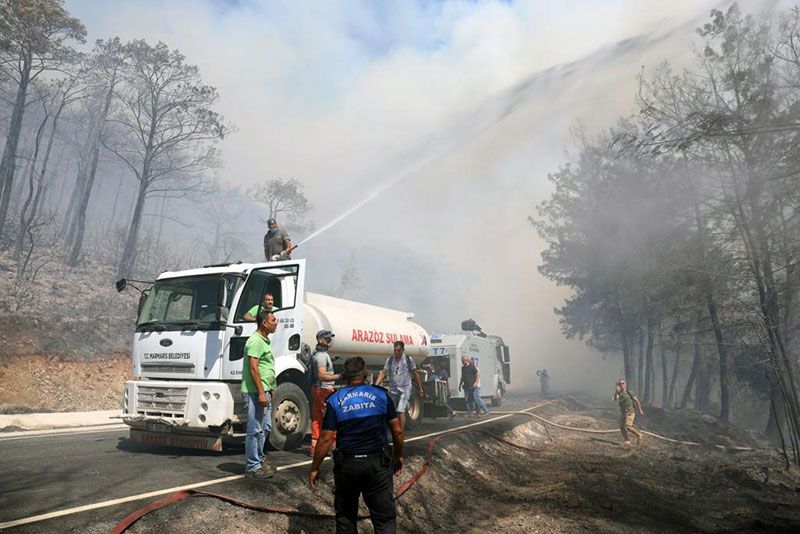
<point x="287" y="362"/>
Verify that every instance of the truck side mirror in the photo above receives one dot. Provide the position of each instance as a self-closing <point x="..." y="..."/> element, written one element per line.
<point x="222" y="314"/>
<point x="121" y="284"/>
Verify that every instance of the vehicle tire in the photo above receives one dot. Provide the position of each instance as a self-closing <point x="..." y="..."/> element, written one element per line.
<point x="497" y="400"/>
<point x="414" y="409"/>
<point x="290" y="417"/>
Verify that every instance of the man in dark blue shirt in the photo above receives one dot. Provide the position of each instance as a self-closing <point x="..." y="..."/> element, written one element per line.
<point x="359" y="415"/>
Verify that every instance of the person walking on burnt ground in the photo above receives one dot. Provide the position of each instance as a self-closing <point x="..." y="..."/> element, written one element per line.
<point x="258" y="386"/>
<point x="400" y="368"/>
<point x="363" y="463"/>
<point x="480" y="406"/>
<point x="276" y="241"/>
<point x="544" y="382"/>
<point x="469" y="377"/>
<point x="322" y="386"/>
<point x="627" y="400"/>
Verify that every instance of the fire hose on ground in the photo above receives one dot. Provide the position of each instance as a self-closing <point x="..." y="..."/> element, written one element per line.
<point x="182" y="495"/>
<point x="545" y="422"/>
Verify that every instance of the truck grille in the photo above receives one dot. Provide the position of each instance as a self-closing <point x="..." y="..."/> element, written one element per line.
<point x="167" y="402"/>
<point x="168" y="368"/>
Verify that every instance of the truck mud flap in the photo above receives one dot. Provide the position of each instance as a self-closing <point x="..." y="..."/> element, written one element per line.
<point x="211" y="443"/>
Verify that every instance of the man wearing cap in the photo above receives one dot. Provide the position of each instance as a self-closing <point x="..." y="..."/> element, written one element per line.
<point x="323" y="384"/>
<point x="275" y="240"/>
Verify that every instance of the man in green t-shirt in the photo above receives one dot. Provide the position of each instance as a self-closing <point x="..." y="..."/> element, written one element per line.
<point x="627" y="399"/>
<point x="258" y="385"/>
<point x="267" y="304"/>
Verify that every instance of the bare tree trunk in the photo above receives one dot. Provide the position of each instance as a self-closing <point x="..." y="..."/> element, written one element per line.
<point x="8" y="163"/>
<point x="627" y="356"/>
<point x="27" y="220"/>
<point x="712" y="312"/>
<point x="126" y="262"/>
<point x="687" y="392"/>
<point x="19" y="186"/>
<point x="80" y="225"/>
<point x="648" y="374"/>
<point x="723" y="359"/>
<point x="777" y="411"/>
<point x="672" y="401"/>
<point x="85" y="180"/>
<point x="640" y="369"/>
<point x="161" y="217"/>
<point x="32" y="190"/>
<point x="703" y="392"/>
<point x="664" y="374"/>
<point x="114" y="209"/>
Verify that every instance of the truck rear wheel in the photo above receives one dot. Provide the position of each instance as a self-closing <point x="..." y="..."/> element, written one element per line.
<point x="290" y="417"/>
<point x="497" y="400"/>
<point x="414" y="409"/>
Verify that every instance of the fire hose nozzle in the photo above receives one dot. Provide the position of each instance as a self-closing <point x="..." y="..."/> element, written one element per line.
<point x="284" y="255"/>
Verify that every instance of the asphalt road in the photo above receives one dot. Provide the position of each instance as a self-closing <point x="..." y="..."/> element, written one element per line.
<point x="50" y="473"/>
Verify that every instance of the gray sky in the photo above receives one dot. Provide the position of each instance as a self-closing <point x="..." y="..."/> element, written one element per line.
<point x="346" y="95"/>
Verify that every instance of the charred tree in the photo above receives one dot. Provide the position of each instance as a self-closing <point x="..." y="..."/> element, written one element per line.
<point x="33" y="34"/>
<point x="107" y="61"/>
<point x="166" y="130"/>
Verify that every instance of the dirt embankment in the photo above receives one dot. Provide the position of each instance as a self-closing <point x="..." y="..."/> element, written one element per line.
<point x="60" y="364"/>
<point x="66" y="345"/>
<point x="62" y="383"/>
<point x="579" y="483"/>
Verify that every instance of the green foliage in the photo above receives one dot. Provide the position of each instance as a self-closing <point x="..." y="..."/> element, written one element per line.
<point x="37" y="31"/>
<point x="687" y="216"/>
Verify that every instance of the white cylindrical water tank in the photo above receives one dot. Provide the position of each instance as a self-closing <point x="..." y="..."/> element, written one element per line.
<point x="362" y="329"/>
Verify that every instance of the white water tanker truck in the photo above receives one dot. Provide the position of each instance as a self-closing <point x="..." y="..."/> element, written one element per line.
<point x="188" y="351"/>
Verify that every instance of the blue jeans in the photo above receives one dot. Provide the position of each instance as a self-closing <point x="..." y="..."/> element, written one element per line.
<point x="469" y="400"/>
<point x="479" y="404"/>
<point x="259" y="423"/>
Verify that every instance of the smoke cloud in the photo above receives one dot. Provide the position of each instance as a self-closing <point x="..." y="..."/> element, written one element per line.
<point x="340" y="95"/>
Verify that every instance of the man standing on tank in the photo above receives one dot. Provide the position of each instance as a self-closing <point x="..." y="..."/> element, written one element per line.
<point x="276" y="240"/>
<point x="400" y="368"/>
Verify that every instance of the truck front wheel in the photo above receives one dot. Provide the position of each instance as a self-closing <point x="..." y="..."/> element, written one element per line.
<point x="290" y="417"/>
<point x="414" y="409"/>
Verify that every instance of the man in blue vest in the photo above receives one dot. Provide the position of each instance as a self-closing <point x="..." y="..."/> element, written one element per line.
<point x="359" y="414"/>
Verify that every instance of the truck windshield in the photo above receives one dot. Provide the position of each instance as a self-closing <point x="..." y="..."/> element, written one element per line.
<point x="180" y="302"/>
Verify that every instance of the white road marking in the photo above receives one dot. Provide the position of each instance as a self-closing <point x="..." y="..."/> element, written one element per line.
<point x="28" y="434"/>
<point x="122" y="500"/>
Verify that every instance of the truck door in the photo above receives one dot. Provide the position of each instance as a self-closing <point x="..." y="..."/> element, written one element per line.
<point x="284" y="281"/>
<point x="506" y="365"/>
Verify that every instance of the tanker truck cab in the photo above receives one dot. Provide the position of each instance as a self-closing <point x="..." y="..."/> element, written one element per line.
<point x="189" y="351"/>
